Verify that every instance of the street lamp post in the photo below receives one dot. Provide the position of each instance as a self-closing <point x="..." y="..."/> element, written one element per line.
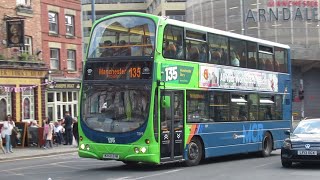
<point x="93" y="11"/>
<point x="244" y="26"/>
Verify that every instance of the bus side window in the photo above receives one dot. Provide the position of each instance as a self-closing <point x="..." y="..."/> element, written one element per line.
<point x="173" y="42"/>
<point x="218" y="48"/>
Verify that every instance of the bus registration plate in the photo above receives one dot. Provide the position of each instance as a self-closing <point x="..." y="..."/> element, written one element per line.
<point x="309" y="153"/>
<point x="111" y="156"/>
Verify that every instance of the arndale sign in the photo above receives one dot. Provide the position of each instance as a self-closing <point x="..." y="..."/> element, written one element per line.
<point x="285" y="10"/>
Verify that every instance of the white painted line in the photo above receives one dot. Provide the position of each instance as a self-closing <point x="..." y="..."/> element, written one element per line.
<point x="60" y="165"/>
<point x="262" y="165"/>
<point x="37" y="157"/>
<point x="158" y="174"/>
<point x="33" y="166"/>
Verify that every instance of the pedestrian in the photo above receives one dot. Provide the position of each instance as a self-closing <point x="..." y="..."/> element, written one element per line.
<point x="58" y="129"/>
<point x="75" y="130"/>
<point x="1" y="145"/>
<point x="47" y="133"/>
<point x="8" y="126"/>
<point x="68" y="128"/>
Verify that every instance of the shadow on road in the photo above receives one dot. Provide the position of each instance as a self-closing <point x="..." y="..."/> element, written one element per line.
<point x="152" y="168"/>
<point x="140" y="167"/>
<point x="305" y="166"/>
<point x="237" y="157"/>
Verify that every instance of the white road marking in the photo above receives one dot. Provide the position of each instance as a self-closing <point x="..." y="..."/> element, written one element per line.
<point x="262" y="165"/>
<point x="158" y="174"/>
<point x="60" y="165"/>
<point x="121" y="178"/>
<point x="33" y="166"/>
<point x="38" y="157"/>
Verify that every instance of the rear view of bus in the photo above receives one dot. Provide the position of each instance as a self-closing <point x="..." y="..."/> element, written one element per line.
<point x="116" y="90"/>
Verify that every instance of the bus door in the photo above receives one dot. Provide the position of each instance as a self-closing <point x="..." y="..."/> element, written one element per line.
<point x="171" y="123"/>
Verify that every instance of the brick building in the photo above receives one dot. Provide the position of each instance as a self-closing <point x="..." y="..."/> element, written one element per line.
<point x="61" y="42"/>
<point x="22" y="69"/>
<point x="47" y="48"/>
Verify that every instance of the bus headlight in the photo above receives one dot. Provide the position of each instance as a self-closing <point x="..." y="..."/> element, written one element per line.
<point x="82" y="146"/>
<point x="136" y="150"/>
<point x="287" y="144"/>
<point x="87" y="147"/>
<point x="143" y="149"/>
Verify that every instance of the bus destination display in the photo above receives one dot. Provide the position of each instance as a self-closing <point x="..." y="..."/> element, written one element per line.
<point x="118" y="71"/>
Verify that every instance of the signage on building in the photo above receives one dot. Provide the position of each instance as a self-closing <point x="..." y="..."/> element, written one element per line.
<point x="15" y="33"/>
<point x="284" y="10"/>
<point x="21" y="73"/>
<point x="66" y="86"/>
<point x="229" y="78"/>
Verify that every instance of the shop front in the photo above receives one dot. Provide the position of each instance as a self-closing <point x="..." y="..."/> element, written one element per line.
<point x="22" y="94"/>
<point x="62" y="97"/>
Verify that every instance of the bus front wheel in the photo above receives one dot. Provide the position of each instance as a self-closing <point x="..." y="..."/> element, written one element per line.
<point x="194" y="152"/>
<point x="266" y="145"/>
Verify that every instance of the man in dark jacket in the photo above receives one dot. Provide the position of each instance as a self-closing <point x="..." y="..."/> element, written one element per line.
<point x="68" y="128"/>
<point x="75" y="130"/>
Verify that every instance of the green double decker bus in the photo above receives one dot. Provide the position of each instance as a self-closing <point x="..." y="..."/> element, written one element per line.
<point x="157" y="90"/>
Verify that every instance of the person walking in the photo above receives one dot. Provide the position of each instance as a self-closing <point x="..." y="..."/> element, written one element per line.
<point x="1" y="145"/>
<point x="68" y="128"/>
<point x="8" y="125"/>
<point x="75" y="130"/>
<point x="47" y="134"/>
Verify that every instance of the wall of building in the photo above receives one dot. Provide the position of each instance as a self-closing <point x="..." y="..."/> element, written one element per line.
<point x="63" y="95"/>
<point x="32" y="27"/>
<point x="265" y="20"/>
<point x="61" y="41"/>
<point x="19" y="75"/>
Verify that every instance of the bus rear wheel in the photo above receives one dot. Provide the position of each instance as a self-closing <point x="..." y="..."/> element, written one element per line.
<point x="194" y="152"/>
<point x="266" y="145"/>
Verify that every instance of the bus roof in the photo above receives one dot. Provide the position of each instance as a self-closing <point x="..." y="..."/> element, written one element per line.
<point x="221" y="32"/>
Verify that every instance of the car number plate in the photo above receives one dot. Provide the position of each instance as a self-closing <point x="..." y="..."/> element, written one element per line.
<point x="111" y="156"/>
<point x="309" y="153"/>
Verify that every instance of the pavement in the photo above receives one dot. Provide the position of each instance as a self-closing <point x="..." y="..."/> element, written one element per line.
<point x="29" y="152"/>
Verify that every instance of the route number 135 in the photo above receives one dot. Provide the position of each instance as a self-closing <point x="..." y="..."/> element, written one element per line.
<point x="171" y="73"/>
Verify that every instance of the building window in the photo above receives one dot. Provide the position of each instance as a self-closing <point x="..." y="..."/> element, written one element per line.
<point x="66" y="101"/>
<point x="27" y="45"/>
<point x="54" y="59"/>
<point x="70" y="25"/>
<point x="71" y="58"/>
<point x="24" y="2"/>
<point x="53" y="22"/>
<point x="5" y="104"/>
<point x="28" y="104"/>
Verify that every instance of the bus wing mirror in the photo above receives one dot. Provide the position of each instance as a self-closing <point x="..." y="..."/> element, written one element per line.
<point x="165" y="101"/>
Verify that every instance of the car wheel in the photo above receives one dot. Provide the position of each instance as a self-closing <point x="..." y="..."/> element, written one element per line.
<point x="194" y="152"/>
<point x="266" y="145"/>
<point x="286" y="164"/>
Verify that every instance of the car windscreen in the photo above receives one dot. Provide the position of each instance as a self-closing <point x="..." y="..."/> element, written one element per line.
<point x="308" y="127"/>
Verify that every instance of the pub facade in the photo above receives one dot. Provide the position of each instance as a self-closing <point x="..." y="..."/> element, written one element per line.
<point x="23" y="73"/>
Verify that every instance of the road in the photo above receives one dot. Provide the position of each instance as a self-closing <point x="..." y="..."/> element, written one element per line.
<point x="240" y="167"/>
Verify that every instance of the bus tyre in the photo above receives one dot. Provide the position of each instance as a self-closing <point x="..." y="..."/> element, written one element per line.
<point x="266" y="145"/>
<point x="286" y="164"/>
<point x="194" y="152"/>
